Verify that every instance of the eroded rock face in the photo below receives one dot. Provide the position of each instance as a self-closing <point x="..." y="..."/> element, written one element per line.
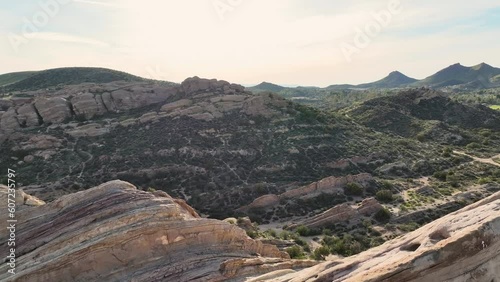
<point x="53" y="110"/>
<point x="115" y="232"/>
<point x="461" y="246"/>
<point x="341" y="213"/>
<point x="88" y="105"/>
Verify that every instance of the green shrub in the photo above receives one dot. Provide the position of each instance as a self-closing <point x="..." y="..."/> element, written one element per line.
<point x="295" y="252"/>
<point x="384" y="196"/>
<point x="441" y="175"/>
<point x="473" y="145"/>
<point x="383" y="215"/>
<point x="303" y="230"/>
<point x="353" y="189"/>
<point x="320" y="253"/>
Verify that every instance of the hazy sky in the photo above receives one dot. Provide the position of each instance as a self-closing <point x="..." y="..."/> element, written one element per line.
<point x="293" y="42"/>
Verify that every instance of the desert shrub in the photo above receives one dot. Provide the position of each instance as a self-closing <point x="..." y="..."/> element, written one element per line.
<point x="473" y="145"/>
<point x="384" y="196"/>
<point x="295" y="252"/>
<point x="441" y="175"/>
<point x="320" y="253"/>
<point x="484" y="180"/>
<point x="353" y="189"/>
<point x="252" y="234"/>
<point x="383" y="215"/>
<point x="303" y="230"/>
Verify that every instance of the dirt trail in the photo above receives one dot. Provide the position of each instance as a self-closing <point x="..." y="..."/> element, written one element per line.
<point x="481" y="160"/>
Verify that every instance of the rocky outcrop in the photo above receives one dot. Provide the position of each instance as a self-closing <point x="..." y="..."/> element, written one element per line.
<point x="88" y="105"/>
<point x="196" y="98"/>
<point x="88" y="130"/>
<point x="341" y="213"/>
<point x="329" y="185"/>
<point x="9" y="122"/>
<point x="115" y="232"/>
<point x="23" y="200"/>
<point x="53" y="110"/>
<point x="461" y="246"/>
<point x="27" y="116"/>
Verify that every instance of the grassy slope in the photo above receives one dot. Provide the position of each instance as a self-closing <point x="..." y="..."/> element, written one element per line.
<point x="65" y="76"/>
<point x="9" y="78"/>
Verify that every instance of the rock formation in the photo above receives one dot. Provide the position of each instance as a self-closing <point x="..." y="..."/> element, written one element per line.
<point x="341" y="213"/>
<point x="115" y="232"/>
<point x="329" y="185"/>
<point x="201" y="99"/>
<point x="461" y="246"/>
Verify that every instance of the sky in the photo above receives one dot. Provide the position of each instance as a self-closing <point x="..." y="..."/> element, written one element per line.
<point x="288" y="42"/>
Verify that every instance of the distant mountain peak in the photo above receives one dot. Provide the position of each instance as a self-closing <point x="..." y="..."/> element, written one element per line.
<point x="394" y="79"/>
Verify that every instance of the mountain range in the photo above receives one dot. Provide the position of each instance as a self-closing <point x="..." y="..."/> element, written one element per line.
<point x="480" y="76"/>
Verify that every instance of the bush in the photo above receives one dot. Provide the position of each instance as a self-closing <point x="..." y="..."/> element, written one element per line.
<point x="303" y="231"/>
<point x="295" y="252"/>
<point x="383" y="215"/>
<point x="441" y="175"/>
<point x="473" y="145"/>
<point x="484" y="180"/>
<point x="384" y="196"/>
<point x="320" y="253"/>
<point x="353" y="189"/>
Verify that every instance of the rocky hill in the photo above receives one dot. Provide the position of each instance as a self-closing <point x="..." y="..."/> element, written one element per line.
<point x="207" y="141"/>
<point x="479" y="76"/>
<point x="426" y="113"/>
<point x="114" y="232"/>
<point x="13" y="82"/>
<point x="394" y="80"/>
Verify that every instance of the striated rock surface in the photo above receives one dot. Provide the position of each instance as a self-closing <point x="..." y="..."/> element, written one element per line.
<point x="88" y="105"/>
<point x="53" y="110"/>
<point x="341" y="213"/>
<point x="329" y="185"/>
<point x="461" y="246"/>
<point x="115" y="232"/>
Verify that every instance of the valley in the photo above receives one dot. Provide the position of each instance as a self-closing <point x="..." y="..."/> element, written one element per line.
<point x="315" y="184"/>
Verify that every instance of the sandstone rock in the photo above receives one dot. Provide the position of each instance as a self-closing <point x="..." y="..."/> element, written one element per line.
<point x="327" y="185"/>
<point x="115" y="232"/>
<point x="41" y="142"/>
<point x="27" y="116"/>
<point x="92" y="130"/>
<point x="176" y="105"/>
<point x="23" y="201"/>
<point x="88" y="105"/>
<point x="265" y="201"/>
<point x="108" y="102"/>
<point x="9" y="122"/>
<point x="204" y="116"/>
<point x="339" y="213"/>
<point x="369" y="207"/>
<point x="461" y="246"/>
<point x="53" y="110"/>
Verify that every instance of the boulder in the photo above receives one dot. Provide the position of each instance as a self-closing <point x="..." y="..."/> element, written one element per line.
<point x="27" y="116"/>
<point x="53" y="110"/>
<point x="88" y="105"/>
<point x="9" y="122"/>
<point x="115" y="232"/>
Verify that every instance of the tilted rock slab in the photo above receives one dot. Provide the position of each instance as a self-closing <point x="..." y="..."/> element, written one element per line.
<point x="115" y="232"/>
<point x="462" y="246"/>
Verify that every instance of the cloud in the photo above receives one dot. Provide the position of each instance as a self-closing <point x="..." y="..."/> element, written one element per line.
<point x="61" y="37"/>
